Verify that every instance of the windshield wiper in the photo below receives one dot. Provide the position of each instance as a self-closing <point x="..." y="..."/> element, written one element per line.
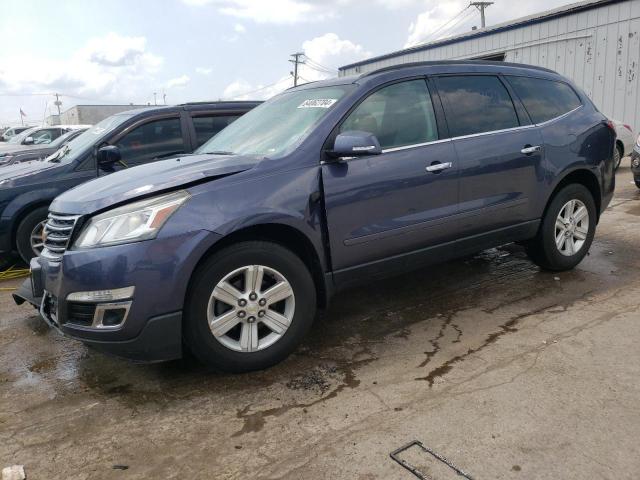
<point x="57" y="156"/>
<point x="171" y="154"/>
<point x="219" y="152"/>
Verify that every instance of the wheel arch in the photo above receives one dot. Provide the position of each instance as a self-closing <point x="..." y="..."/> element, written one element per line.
<point x="284" y="235"/>
<point x="22" y="214"/>
<point x="583" y="177"/>
<point x="620" y="147"/>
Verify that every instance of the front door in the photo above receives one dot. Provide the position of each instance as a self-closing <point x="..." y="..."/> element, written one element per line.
<point x="403" y="200"/>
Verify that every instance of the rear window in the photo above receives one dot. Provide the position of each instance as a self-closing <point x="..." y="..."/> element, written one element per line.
<point x="476" y="104"/>
<point x="544" y="99"/>
<point x="208" y="126"/>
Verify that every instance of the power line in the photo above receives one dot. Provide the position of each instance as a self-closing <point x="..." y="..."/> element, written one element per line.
<point x="437" y="30"/>
<point x="261" y="88"/>
<point x="461" y="20"/>
<point x="320" y="65"/>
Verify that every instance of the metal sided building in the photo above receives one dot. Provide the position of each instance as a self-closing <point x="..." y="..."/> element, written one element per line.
<point x="595" y="43"/>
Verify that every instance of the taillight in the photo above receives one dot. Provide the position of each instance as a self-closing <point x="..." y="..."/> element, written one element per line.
<point x="628" y="127"/>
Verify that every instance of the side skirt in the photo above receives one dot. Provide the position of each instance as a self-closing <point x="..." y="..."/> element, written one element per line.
<point x="417" y="259"/>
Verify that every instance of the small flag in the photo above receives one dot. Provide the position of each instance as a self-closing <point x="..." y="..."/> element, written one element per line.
<point x="22" y="114"/>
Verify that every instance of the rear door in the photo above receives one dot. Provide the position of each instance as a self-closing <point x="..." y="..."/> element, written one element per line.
<point x="383" y="205"/>
<point x="499" y="152"/>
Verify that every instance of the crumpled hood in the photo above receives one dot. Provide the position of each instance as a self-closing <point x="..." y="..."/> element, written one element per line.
<point x="131" y="183"/>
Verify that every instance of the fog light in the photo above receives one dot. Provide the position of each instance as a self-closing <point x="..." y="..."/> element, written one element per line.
<point x="636" y="162"/>
<point x="113" y="317"/>
<point x="102" y="295"/>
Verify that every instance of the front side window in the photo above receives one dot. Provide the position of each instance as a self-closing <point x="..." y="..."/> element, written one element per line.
<point x="476" y="104"/>
<point x="209" y="125"/>
<point x="278" y="125"/>
<point x="398" y="115"/>
<point x="151" y="140"/>
<point x="544" y="99"/>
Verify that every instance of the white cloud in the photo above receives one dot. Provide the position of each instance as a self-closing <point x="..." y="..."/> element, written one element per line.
<point x="322" y="54"/>
<point x="239" y="28"/>
<point x="179" y="82"/>
<point x="106" y="67"/>
<point x="326" y="52"/>
<point x="204" y="70"/>
<point x="272" y="11"/>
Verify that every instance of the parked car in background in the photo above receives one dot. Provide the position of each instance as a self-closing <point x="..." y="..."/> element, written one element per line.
<point x="12" y="132"/>
<point x="38" y="136"/>
<point x="25" y="153"/>
<point x="231" y="250"/>
<point x="624" y="143"/>
<point x="635" y="162"/>
<point x="127" y="139"/>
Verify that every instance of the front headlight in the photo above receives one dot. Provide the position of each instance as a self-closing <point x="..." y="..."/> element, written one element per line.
<point x="131" y="223"/>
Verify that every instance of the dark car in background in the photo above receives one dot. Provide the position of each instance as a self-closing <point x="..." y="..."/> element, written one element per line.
<point x="25" y="153"/>
<point x="124" y="140"/>
<point x="230" y="251"/>
<point x="635" y="162"/>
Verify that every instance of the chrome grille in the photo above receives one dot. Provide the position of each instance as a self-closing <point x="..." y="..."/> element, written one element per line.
<point x="57" y="232"/>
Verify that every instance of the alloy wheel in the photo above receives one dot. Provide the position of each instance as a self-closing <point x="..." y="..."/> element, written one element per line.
<point x="572" y="227"/>
<point x="251" y="308"/>
<point x="36" y="239"/>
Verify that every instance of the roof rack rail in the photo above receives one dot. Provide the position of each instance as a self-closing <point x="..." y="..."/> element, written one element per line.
<point x="454" y="62"/>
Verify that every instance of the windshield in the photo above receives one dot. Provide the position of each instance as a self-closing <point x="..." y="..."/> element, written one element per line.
<point x="21" y="136"/>
<point x="63" y="138"/>
<point x="79" y="145"/>
<point x="276" y="126"/>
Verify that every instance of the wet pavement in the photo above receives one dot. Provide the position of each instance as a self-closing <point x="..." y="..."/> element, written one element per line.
<point x="507" y="371"/>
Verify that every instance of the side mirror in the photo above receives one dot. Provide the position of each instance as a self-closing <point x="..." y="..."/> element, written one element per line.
<point x="355" y="144"/>
<point x="28" y="141"/>
<point x="108" y="155"/>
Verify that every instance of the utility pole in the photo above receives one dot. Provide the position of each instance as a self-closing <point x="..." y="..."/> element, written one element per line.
<point x="481" y="6"/>
<point x="296" y="61"/>
<point x="57" y="103"/>
<point x="155" y="101"/>
<point x="164" y="97"/>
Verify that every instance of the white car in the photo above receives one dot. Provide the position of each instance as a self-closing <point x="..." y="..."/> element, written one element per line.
<point x="624" y="143"/>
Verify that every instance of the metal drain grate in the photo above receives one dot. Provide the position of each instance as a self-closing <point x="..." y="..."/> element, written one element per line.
<point x="395" y="455"/>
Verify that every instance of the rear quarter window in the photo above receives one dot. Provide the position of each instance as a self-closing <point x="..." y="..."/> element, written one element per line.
<point x="544" y="99"/>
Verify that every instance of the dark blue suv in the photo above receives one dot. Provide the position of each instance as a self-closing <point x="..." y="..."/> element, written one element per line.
<point x="230" y="251"/>
<point x="127" y="139"/>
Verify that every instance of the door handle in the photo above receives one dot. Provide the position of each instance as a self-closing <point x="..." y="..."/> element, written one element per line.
<point x="438" y="167"/>
<point x="528" y="149"/>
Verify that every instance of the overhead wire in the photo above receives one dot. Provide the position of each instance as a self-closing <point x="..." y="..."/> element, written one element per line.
<point x="441" y="27"/>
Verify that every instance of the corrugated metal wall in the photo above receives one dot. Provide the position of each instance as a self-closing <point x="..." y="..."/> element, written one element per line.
<point x="599" y="49"/>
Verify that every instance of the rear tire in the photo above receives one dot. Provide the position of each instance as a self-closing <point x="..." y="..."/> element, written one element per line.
<point x="617" y="157"/>
<point x="637" y="182"/>
<point x="25" y="230"/>
<point x="565" y="236"/>
<point x="273" y="330"/>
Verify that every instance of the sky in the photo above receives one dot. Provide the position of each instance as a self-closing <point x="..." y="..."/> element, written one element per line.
<point x="122" y="51"/>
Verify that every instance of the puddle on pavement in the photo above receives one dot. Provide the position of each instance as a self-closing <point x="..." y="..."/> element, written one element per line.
<point x="361" y="320"/>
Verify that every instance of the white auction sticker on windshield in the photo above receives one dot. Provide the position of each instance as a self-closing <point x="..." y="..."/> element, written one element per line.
<point x="318" y="103"/>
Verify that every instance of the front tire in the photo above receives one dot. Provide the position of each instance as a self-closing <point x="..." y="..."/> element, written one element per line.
<point x="249" y="306"/>
<point x="29" y="241"/>
<point x="567" y="230"/>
